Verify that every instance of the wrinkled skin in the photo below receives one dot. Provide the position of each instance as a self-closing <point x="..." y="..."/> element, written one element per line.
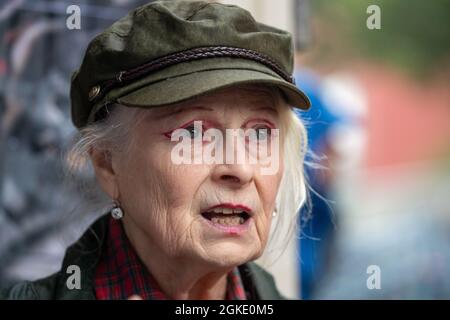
<point x="163" y="201"/>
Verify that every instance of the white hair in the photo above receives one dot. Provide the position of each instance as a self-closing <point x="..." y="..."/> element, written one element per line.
<point x="292" y="193"/>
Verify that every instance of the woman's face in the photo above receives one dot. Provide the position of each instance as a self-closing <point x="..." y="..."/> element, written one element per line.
<point x="218" y="214"/>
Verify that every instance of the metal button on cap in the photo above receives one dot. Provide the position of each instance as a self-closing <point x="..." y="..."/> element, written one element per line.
<point x="93" y="93"/>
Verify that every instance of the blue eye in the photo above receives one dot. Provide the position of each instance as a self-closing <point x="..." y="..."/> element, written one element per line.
<point x="193" y="131"/>
<point x="262" y="133"/>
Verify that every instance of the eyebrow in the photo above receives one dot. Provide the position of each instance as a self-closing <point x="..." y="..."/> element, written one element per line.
<point x="271" y="109"/>
<point x="175" y="110"/>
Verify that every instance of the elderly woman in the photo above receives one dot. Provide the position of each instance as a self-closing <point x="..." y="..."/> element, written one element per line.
<point x="177" y="79"/>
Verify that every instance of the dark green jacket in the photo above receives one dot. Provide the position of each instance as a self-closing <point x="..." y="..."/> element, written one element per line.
<point x="85" y="253"/>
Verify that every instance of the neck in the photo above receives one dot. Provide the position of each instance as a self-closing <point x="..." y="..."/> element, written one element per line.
<point x="196" y="282"/>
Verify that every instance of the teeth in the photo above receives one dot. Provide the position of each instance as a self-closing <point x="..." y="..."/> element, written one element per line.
<point x="226" y="210"/>
<point x="228" y="221"/>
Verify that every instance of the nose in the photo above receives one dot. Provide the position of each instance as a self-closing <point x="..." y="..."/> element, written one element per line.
<point x="233" y="175"/>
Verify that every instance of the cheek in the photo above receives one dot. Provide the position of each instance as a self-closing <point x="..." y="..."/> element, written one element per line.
<point x="184" y="181"/>
<point x="154" y="185"/>
<point x="268" y="186"/>
<point x="141" y="189"/>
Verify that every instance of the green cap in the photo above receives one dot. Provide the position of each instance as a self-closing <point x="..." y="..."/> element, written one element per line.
<point x="169" y="51"/>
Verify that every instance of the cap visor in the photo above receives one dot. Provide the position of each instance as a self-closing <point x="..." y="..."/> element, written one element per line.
<point x="183" y="87"/>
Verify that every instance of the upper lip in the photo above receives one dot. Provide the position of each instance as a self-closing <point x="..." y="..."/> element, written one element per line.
<point x="231" y="206"/>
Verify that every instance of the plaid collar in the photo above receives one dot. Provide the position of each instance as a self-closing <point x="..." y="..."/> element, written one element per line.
<point x="121" y="274"/>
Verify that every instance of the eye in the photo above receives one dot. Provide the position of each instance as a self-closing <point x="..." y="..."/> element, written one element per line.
<point x="192" y="131"/>
<point x="262" y="133"/>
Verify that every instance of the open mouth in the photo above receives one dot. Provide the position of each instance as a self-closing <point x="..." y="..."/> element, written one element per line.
<point x="226" y="216"/>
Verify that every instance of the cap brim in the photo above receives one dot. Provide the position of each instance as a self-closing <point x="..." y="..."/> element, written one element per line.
<point x="183" y="87"/>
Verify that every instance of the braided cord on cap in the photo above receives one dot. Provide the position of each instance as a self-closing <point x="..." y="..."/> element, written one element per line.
<point x="124" y="77"/>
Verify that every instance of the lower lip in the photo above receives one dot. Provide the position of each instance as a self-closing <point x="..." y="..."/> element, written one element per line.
<point x="230" y="230"/>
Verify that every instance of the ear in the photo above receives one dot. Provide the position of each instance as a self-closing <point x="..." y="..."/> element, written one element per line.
<point x="103" y="166"/>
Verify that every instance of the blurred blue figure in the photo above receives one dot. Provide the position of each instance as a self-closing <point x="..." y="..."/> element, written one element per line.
<point x="316" y="219"/>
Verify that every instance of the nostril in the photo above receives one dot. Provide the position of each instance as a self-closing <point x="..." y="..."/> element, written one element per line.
<point x="230" y="178"/>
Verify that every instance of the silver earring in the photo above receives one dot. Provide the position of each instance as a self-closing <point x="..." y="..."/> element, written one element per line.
<point x="274" y="214"/>
<point x="116" y="211"/>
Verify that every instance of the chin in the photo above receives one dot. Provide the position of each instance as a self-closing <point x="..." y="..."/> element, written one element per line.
<point x="228" y="255"/>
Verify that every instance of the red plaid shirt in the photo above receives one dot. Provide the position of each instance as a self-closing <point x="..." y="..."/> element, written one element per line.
<point x="121" y="274"/>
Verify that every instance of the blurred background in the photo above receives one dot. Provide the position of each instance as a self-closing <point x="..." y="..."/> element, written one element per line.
<point x="377" y="224"/>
